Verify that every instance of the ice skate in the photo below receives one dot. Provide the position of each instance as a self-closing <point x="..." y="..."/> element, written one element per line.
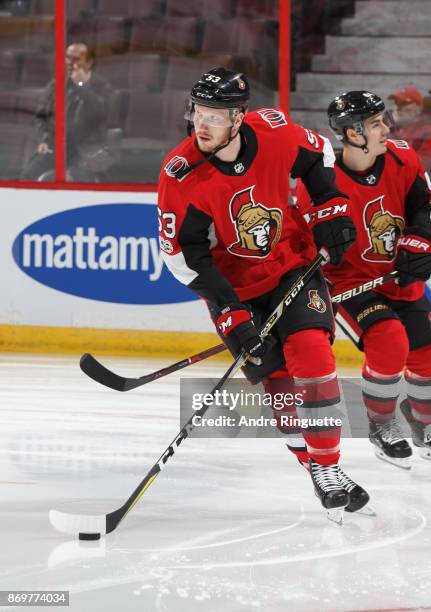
<point x="359" y="498"/>
<point x="390" y="444"/>
<point x="421" y="433"/>
<point x="329" y="489"/>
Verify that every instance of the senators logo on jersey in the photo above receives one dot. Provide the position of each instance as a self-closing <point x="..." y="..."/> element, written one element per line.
<point x="383" y="230"/>
<point x="258" y="228"/>
<point x="316" y="302"/>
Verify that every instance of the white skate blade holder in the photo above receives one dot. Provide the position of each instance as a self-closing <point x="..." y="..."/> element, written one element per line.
<point x="403" y="463"/>
<point x="425" y="452"/>
<point x="335" y="515"/>
<point x="367" y="510"/>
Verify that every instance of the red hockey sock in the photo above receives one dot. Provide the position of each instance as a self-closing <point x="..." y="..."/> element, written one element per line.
<point x="310" y="361"/>
<point x="382" y="370"/>
<point x="418" y="379"/>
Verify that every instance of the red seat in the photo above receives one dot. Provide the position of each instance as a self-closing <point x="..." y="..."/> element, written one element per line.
<point x="26" y="102"/>
<point x="214" y="9"/>
<point x="218" y="9"/>
<point x="27" y="33"/>
<point x="78" y="9"/>
<point x="110" y="35"/>
<point x="115" y="68"/>
<point x="7" y="106"/>
<point x="148" y="8"/>
<point x="37" y="69"/>
<point x="146" y="71"/>
<point x="114" y="7"/>
<point x="144" y="117"/>
<point x="14" y="148"/>
<point x="183" y="72"/>
<point x="173" y="118"/>
<point x="185" y="8"/>
<point x="8" y="68"/>
<point x="130" y="8"/>
<point x="220" y="36"/>
<point x="251" y="35"/>
<point x="258" y="8"/>
<point x="132" y="70"/>
<point x="169" y="35"/>
<point x="42" y="7"/>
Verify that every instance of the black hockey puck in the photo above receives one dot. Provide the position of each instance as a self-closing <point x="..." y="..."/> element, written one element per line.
<point x="89" y="536"/>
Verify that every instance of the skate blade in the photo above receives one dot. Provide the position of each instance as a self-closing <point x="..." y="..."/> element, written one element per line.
<point x="425" y="453"/>
<point x="367" y="510"/>
<point x="403" y="463"/>
<point x="335" y="515"/>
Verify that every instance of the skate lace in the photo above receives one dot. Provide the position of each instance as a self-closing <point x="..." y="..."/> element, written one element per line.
<point x="390" y="432"/>
<point x="346" y="482"/>
<point x="326" y="476"/>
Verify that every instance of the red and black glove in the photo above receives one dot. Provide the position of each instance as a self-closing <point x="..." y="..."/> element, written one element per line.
<point x="235" y="320"/>
<point x="332" y="228"/>
<point x="413" y="260"/>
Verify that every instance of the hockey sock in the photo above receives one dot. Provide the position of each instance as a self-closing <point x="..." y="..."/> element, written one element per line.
<point x="418" y="379"/>
<point x="310" y="361"/>
<point x="282" y="389"/>
<point x="382" y="370"/>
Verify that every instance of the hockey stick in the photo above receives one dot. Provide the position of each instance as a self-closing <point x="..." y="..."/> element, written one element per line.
<point x="90" y="527"/>
<point x="98" y="372"/>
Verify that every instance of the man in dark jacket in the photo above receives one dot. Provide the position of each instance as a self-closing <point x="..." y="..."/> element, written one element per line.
<point x="88" y="99"/>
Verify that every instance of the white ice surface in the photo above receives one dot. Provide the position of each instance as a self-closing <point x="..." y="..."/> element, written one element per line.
<point x="230" y="525"/>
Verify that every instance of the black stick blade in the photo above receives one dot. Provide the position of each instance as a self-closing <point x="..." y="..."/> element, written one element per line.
<point x="95" y="370"/>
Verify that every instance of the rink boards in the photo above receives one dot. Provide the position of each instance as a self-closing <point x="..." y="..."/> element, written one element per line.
<point x="82" y="272"/>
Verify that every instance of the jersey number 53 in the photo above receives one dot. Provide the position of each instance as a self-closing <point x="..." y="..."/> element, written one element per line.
<point x="167" y="223"/>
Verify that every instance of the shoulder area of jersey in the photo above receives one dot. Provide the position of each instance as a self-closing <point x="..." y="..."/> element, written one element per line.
<point x="401" y="149"/>
<point x="271" y="118"/>
<point x="179" y="159"/>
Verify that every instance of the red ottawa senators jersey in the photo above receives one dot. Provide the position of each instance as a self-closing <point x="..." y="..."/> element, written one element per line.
<point x="390" y="197"/>
<point x="226" y="228"/>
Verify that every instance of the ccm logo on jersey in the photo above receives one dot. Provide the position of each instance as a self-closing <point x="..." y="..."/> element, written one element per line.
<point x="324" y="213"/>
<point x="414" y="243"/>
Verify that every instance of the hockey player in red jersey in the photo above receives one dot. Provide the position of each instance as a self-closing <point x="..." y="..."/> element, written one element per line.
<point x="227" y="231"/>
<point x="390" y="206"/>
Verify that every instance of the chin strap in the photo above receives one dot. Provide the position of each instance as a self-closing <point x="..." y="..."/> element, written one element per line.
<point x="182" y="173"/>
<point x="364" y="147"/>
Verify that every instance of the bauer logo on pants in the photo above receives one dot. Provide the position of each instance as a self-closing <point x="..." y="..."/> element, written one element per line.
<point x="107" y="252"/>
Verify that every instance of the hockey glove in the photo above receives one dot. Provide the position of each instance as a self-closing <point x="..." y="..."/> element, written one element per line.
<point x="332" y="228"/>
<point x="235" y="321"/>
<point x="413" y="261"/>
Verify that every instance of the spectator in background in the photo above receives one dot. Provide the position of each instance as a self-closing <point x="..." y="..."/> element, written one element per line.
<point x="412" y="123"/>
<point x="88" y="100"/>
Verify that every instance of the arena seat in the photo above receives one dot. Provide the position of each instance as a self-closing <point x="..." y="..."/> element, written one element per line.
<point x="42" y="7"/>
<point x="220" y="36"/>
<point x="258" y="8"/>
<point x="37" y="69"/>
<point x="144" y="117"/>
<point x="26" y="102"/>
<point x="215" y="9"/>
<point x="14" y="142"/>
<point x="8" y="68"/>
<point x="168" y="35"/>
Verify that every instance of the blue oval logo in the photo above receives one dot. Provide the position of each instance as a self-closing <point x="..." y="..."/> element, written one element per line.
<point x="107" y="252"/>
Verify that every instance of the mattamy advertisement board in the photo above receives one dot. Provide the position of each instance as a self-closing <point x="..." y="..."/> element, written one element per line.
<point x="89" y="259"/>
